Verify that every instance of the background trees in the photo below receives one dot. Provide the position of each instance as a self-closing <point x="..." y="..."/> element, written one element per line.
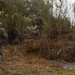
<point x="16" y="15"/>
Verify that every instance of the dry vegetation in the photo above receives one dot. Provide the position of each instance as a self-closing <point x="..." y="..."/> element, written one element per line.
<point x="44" y="48"/>
<point x="34" y="55"/>
<point x="37" y="56"/>
<point x="23" y="60"/>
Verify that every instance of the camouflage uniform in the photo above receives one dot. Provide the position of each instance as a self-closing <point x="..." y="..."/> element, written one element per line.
<point x="1" y="50"/>
<point x="3" y="38"/>
<point x="3" y="34"/>
<point x="39" y="25"/>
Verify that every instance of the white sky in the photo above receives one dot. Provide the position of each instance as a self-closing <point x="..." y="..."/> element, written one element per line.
<point x="71" y="1"/>
<point x="70" y="13"/>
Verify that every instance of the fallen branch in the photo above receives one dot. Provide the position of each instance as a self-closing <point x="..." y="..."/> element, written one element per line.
<point x="59" y="51"/>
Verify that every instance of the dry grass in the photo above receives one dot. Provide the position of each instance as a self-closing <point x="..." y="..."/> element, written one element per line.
<point x="45" y="48"/>
<point x="31" y="55"/>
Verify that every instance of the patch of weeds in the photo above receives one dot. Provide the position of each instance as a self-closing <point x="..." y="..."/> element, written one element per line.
<point x="64" y="73"/>
<point x="72" y="72"/>
<point x="31" y="73"/>
<point x="60" y="73"/>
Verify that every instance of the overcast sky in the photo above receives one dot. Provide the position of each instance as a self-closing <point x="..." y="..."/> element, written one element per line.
<point x="71" y="1"/>
<point x="70" y="13"/>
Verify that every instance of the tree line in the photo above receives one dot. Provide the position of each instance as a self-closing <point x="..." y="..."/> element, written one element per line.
<point x="16" y="16"/>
